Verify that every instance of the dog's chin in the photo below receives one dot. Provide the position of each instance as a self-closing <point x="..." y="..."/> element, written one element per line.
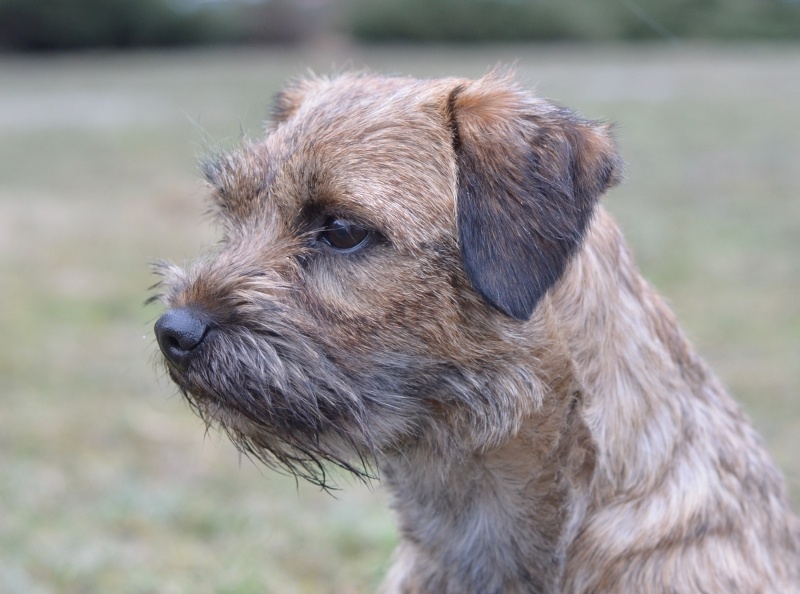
<point x="292" y="446"/>
<point x="216" y="414"/>
<point x="210" y="407"/>
<point x="213" y="409"/>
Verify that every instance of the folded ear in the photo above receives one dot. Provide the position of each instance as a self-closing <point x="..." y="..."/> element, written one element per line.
<point x="529" y="176"/>
<point x="288" y="100"/>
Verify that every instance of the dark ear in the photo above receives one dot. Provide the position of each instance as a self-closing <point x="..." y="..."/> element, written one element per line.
<point x="529" y="175"/>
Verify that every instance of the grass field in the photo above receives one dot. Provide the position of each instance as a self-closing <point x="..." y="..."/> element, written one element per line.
<point x="108" y="482"/>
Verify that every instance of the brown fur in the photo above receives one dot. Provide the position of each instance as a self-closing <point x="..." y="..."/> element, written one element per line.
<point x="491" y="350"/>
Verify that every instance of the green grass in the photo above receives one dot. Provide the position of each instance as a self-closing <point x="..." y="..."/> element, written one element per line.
<point x="108" y="482"/>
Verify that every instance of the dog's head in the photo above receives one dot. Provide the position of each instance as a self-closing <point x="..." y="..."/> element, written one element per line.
<point x="384" y="251"/>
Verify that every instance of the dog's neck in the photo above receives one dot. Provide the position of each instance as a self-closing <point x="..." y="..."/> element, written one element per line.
<point x="515" y="507"/>
<point x="505" y="509"/>
<point x="637" y="369"/>
<point x="655" y="413"/>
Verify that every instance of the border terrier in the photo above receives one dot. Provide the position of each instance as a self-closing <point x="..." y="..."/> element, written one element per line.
<point x="416" y="280"/>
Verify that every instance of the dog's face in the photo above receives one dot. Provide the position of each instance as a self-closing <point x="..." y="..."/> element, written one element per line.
<point x="384" y="249"/>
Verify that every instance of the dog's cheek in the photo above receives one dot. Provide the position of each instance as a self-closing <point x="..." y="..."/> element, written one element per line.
<point x="401" y="304"/>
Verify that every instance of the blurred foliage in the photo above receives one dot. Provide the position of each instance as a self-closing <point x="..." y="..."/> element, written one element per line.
<point x="76" y="24"/>
<point x="517" y="20"/>
<point x="57" y="24"/>
<point x="71" y="24"/>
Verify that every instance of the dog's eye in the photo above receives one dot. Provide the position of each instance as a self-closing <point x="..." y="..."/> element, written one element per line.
<point x="342" y="235"/>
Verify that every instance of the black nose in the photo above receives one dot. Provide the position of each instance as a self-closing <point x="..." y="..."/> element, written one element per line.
<point x="179" y="333"/>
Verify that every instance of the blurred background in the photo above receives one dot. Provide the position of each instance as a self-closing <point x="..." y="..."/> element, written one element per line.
<point x="108" y="483"/>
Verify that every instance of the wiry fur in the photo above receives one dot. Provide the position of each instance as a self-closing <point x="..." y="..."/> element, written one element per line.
<point x="528" y="400"/>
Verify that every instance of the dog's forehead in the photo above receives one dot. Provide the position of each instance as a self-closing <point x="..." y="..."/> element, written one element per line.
<point x="377" y="149"/>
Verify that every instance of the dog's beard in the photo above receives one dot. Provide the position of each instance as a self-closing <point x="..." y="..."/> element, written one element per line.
<point x="285" y="401"/>
<point x="281" y="401"/>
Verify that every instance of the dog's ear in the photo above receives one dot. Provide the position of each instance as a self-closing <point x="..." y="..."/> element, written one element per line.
<point x="529" y="176"/>
<point x="289" y="99"/>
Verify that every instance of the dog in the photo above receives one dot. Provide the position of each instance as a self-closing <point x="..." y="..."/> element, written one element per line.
<point x="416" y="280"/>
